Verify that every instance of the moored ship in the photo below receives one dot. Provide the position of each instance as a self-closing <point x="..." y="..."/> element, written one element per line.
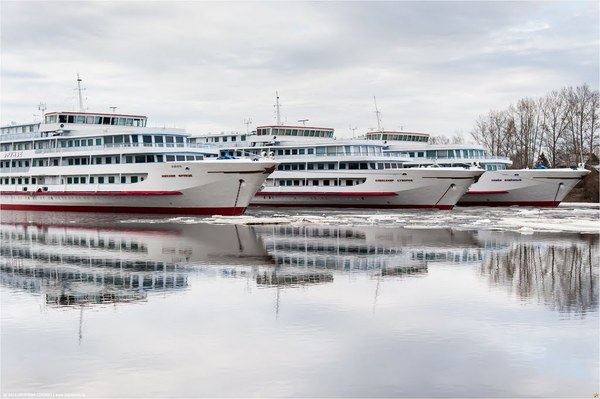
<point x="499" y="185"/>
<point x="318" y="170"/>
<point x="99" y="162"/>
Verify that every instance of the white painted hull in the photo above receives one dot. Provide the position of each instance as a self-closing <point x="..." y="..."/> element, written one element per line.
<point x="525" y="187"/>
<point x="195" y="187"/>
<point x="438" y="188"/>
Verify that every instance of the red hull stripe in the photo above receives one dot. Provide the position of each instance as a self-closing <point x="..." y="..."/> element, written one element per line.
<point x="93" y="193"/>
<point x="375" y="206"/>
<point x="486" y="192"/>
<point x="551" y="204"/>
<point x="329" y="194"/>
<point x="231" y="211"/>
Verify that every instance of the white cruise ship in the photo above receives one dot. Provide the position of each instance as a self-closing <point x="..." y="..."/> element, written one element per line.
<point x="317" y="170"/>
<point x="98" y="162"/>
<point x="499" y="186"/>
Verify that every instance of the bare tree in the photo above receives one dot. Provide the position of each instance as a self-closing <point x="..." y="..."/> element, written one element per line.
<point x="581" y="103"/>
<point x="563" y="124"/>
<point x="439" y="140"/>
<point x="555" y="113"/>
<point x="493" y="132"/>
<point x="592" y="117"/>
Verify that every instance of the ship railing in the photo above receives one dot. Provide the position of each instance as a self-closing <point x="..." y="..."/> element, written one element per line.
<point x="474" y="157"/>
<point x="19" y="136"/>
<point x="337" y="154"/>
<point x="15" y="169"/>
<point x="120" y="145"/>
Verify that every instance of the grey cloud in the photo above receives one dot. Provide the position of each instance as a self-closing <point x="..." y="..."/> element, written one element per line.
<point x="205" y="63"/>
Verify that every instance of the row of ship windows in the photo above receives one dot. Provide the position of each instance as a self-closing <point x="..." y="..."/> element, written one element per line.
<point x="223" y="139"/>
<point x="294" y="132"/>
<point x="288" y="232"/>
<point x="148" y="266"/>
<point x="318" y="182"/>
<point x="146" y="140"/>
<point x="106" y="276"/>
<point x="109" y="243"/>
<point x="96" y="120"/>
<point x="333" y="262"/>
<point x="341" y="249"/>
<point x="20" y="129"/>
<point x="397" y="137"/>
<point x="321" y="150"/>
<point x="472" y="153"/>
<point x="341" y="166"/>
<point x="99" y="160"/>
<point x="487" y="166"/>
<point x="124" y="179"/>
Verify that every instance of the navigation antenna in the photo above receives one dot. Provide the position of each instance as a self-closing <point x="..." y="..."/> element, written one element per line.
<point x="79" y="91"/>
<point x="248" y="122"/>
<point x="277" y="109"/>
<point x="353" y="130"/>
<point x="378" y="114"/>
<point x="42" y="107"/>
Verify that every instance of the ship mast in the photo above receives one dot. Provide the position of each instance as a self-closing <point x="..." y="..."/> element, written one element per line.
<point x="79" y="91"/>
<point x="378" y="114"/>
<point x="277" y="108"/>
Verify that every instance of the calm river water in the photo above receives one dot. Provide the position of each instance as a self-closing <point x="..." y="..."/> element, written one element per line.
<point x="101" y="306"/>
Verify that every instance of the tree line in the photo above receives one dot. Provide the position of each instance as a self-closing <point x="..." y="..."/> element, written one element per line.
<point x="559" y="129"/>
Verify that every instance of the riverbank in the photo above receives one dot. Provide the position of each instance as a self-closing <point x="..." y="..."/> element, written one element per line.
<point x="587" y="190"/>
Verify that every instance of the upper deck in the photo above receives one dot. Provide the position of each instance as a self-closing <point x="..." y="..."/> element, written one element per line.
<point x="393" y="136"/>
<point x="102" y="119"/>
<point x="66" y="124"/>
<point x="294" y="131"/>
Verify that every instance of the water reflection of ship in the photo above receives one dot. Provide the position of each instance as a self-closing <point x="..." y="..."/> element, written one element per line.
<point x="81" y="263"/>
<point x="559" y="270"/>
<point x="383" y="251"/>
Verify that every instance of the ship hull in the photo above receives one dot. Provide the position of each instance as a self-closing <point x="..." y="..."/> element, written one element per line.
<point x="198" y="188"/>
<point x="428" y="188"/>
<point x="523" y="187"/>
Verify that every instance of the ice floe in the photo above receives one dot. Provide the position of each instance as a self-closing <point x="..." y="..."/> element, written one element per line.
<point x="570" y="217"/>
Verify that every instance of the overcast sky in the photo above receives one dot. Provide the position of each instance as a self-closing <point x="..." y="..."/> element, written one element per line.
<point x="210" y="66"/>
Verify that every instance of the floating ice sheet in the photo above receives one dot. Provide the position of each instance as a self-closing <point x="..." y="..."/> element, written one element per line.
<point x="569" y="217"/>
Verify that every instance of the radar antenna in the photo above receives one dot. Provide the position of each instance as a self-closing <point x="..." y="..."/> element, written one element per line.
<point x="303" y="121"/>
<point x="248" y="122"/>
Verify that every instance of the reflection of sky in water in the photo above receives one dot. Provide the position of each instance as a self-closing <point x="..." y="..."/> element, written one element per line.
<point x="299" y="308"/>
